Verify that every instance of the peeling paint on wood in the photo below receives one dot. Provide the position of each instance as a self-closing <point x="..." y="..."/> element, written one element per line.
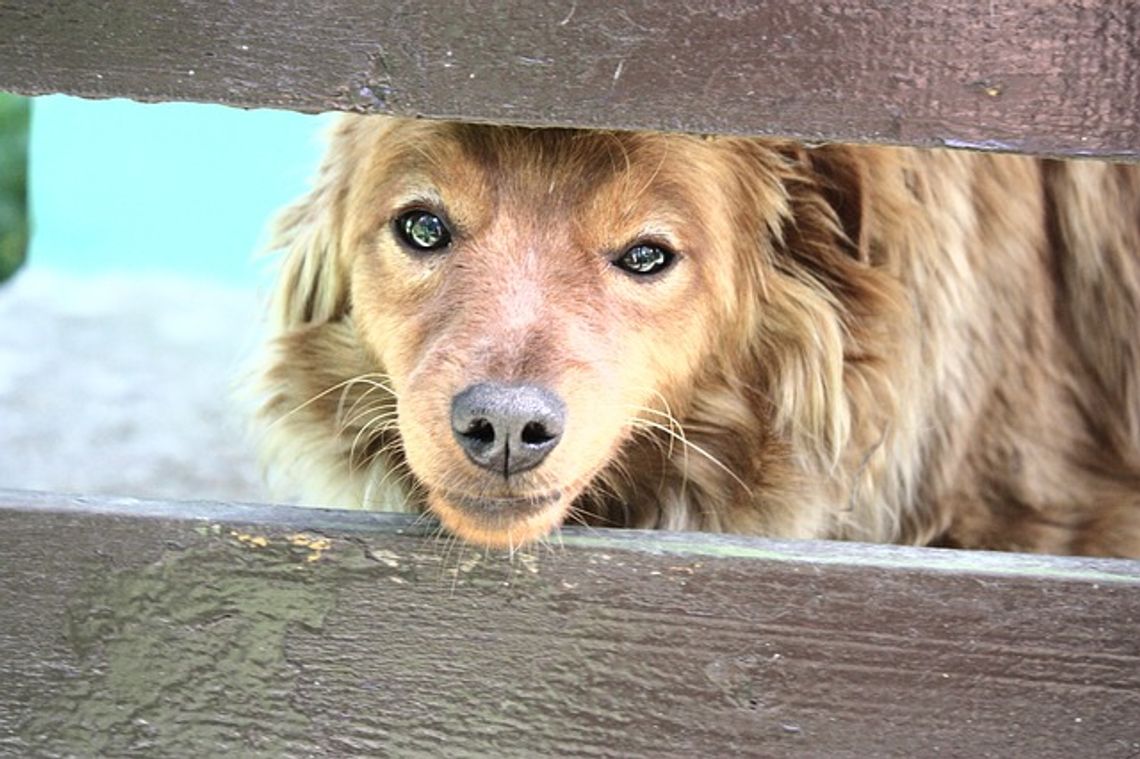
<point x="167" y="628"/>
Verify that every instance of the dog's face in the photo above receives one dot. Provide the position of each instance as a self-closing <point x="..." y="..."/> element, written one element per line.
<point x="544" y="306"/>
<point x="533" y="296"/>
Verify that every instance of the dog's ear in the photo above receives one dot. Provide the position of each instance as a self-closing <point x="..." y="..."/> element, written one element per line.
<point x="842" y="179"/>
<point x="829" y="323"/>
<point x="312" y="285"/>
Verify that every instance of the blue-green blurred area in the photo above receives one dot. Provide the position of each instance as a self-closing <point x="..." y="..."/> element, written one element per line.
<point x="174" y="187"/>
<point x="138" y="310"/>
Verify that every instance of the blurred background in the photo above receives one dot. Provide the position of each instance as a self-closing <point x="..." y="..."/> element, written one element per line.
<point x="132" y="276"/>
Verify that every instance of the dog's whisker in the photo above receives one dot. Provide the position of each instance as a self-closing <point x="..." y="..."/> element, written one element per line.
<point x="458" y="563"/>
<point x="393" y="446"/>
<point x="389" y="401"/>
<point x="404" y="484"/>
<point x="344" y="394"/>
<point x="370" y="411"/>
<point x="604" y="483"/>
<point x="665" y="448"/>
<point x="401" y="469"/>
<point x="374" y="485"/>
<point x="354" y="462"/>
<point x="663" y="445"/>
<point x="668" y="415"/>
<point x="422" y="516"/>
<point x="678" y="434"/>
<point x="689" y="445"/>
<point x="575" y="513"/>
<point x="449" y="543"/>
<point x="556" y="545"/>
<point x="325" y="392"/>
<point x="674" y="423"/>
<point x="377" y="413"/>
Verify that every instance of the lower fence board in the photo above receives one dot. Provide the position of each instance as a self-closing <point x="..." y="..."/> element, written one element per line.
<point x="132" y="627"/>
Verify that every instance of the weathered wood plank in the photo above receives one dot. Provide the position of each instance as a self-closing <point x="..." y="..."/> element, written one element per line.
<point x="182" y="629"/>
<point x="1048" y="76"/>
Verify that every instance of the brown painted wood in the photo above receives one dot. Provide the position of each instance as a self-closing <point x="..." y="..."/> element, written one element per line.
<point x="1046" y="76"/>
<point x="136" y="628"/>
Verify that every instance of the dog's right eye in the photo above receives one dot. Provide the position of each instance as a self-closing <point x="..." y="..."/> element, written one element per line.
<point x="645" y="259"/>
<point x="422" y="231"/>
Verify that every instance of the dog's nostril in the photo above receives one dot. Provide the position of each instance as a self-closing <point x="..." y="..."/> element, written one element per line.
<point x="480" y="430"/>
<point x="535" y="433"/>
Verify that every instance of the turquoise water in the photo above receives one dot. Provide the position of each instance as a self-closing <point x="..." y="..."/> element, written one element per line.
<point x="170" y="188"/>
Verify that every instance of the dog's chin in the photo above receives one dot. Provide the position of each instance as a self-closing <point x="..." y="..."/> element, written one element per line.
<point x="500" y="522"/>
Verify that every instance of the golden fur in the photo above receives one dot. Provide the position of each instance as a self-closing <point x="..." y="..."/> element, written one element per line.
<point x="883" y="344"/>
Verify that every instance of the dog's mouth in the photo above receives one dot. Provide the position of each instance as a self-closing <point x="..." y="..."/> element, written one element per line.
<point x="499" y="521"/>
<point x="497" y="509"/>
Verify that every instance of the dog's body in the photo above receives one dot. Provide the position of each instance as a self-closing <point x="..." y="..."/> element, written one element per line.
<point x="712" y="333"/>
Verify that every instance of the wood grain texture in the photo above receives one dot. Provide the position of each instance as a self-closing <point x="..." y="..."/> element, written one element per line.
<point x="133" y="628"/>
<point x="1045" y="76"/>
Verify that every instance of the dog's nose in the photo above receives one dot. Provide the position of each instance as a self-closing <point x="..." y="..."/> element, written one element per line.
<point x="507" y="428"/>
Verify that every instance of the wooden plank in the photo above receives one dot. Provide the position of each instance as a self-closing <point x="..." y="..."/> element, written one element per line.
<point x="1046" y="76"/>
<point x="179" y="629"/>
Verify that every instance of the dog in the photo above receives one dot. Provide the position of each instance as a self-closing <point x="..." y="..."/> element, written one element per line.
<point x="519" y="328"/>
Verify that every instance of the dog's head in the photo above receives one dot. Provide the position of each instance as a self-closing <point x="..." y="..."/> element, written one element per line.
<point x="524" y="300"/>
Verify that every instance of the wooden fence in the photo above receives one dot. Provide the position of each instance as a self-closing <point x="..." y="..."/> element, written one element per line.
<point x="159" y="629"/>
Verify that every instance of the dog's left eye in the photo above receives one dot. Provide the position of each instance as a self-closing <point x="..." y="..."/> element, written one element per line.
<point x="422" y="230"/>
<point x="644" y="259"/>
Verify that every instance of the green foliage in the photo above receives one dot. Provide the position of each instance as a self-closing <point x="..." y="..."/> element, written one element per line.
<point x="13" y="183"/>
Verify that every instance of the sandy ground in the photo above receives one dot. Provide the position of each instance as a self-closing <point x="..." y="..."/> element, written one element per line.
<point x="124" y="385"/>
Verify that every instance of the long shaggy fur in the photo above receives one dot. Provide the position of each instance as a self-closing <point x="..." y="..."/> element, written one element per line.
<point x="884" y="344"/>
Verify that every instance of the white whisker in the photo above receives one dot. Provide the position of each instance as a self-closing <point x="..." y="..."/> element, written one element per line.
<point x="689" y="445"/>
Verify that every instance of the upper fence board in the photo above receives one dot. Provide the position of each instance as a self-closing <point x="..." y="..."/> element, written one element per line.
<point x="1041" y="76"/>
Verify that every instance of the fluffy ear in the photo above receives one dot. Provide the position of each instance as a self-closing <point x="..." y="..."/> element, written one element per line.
<point x="312" y="286"/>
<point x="842" y="179"/>
<point x="829" y="321"/>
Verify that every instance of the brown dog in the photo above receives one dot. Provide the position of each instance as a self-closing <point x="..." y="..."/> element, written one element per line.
<point x="519" y="327"/>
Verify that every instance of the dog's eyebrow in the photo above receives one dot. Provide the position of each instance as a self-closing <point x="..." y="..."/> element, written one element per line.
<point x="658" y="230"/>
<point x="427" y="196"/>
